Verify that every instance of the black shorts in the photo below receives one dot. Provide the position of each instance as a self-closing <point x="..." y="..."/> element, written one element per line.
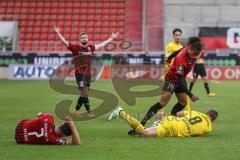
<point x="170" y="87"/>
<point x="83" y="80"/>
<point x="199" y="69"/>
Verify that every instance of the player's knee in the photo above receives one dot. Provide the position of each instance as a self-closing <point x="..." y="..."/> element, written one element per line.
<point x="163" y="103"/>
<point x="84" y="92"/>
<point x="183" y="103"/>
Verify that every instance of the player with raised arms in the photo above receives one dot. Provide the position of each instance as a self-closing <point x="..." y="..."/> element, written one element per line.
<point x="82" y="57"/>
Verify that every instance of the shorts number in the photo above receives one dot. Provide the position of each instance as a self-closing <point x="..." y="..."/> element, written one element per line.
<point x="195" y="120"/>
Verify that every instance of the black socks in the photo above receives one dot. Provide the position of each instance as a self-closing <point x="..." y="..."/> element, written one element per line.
<point x="151" y="112"/>
<point x="178" y="107"/>
<point x="207" y="88"/>
<point x="81" y="101"/>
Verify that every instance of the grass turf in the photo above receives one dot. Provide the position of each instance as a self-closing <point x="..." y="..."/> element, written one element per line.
<point x="109" y="140"/>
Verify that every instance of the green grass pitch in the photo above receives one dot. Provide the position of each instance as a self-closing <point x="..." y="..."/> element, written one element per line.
<point x="109" y="140"/>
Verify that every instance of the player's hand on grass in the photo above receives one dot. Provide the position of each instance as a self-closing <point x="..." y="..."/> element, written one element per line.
<point x="194" y="98"/>
<point x="57" y="29"/>
<point x="114" y="35"/>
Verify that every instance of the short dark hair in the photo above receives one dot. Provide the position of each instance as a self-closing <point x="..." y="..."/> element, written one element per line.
<point x="213" y="114"/>
<point x="83" y="33"/>
<point x="65" y="129"/>
<point x="196" y="43"/>
<point x="177" y="30"/>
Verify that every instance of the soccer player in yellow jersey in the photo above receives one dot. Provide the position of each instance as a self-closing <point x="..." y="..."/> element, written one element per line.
<point x="186" y="124"/>
<point x="173" y="46"/>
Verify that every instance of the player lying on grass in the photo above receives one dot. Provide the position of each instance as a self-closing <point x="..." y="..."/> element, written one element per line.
<point x="185" y="124"/>
<point x="42" y="130"/>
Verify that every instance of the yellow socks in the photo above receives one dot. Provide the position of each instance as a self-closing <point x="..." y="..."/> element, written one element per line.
<point x="134" y="123"/>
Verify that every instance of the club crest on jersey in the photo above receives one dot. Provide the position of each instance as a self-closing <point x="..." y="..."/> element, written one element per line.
<point x="180" y="68"/>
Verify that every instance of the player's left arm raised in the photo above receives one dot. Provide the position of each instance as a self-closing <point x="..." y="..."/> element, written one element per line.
<point x="110" y="39"/>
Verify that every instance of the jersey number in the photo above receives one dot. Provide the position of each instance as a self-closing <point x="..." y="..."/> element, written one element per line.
<point x="36" y="133"/>
<point x="195" y="120"/>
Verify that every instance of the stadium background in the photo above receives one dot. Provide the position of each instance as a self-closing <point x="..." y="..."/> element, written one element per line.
<point x="27" y="35"/>
<point x="30" y="49"/>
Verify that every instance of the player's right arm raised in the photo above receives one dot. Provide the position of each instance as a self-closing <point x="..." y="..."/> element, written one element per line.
<point x="57" y="30"/>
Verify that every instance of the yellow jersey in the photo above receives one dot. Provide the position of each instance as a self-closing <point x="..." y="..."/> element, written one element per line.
<point x="199" y="122"/>
<point x="172" y="47"/>
<point x="191" y="124"/>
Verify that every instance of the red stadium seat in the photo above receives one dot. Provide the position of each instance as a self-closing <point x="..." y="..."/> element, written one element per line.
<point x="21" y="36"/>
<point x="33" y="4"/>
<point x="44" y="29"/>
<point x="75" y="36"/>
<point x="4" y="4"/>
<point x="54" y="11"/>
<point x="45" y="23"/>
<point x="36" y="18"/>
<point x="68" y="29"/>
<point x="25" y="4"/>
<point x="81" y="24"/>
<point x="60" y="17"/>
<point x="69" y="4"/>
<point x="10" y="10"/>
<point x="92" y="5"/>
<point x="75" y="30"/>
<point x="54" y="4"/>
<point x="75" y="17"/>
<point x="17" y="10"/>
<point x="10" y="4"/>
<point x="52" y="36"/>
<point x="37" y="29"/>
<point x="47" y="11"/>
<point x="84" y="5"/>
<point x="36" y="36"/>
<point x="83" y="11"/>
<point x="53" y="17"/>
<point x="68" y="17"/>
<point x="47" y="4"/>
<point x="28" y="36"/>
<point x="44" y="36"/>
<point x="40" y="4"/>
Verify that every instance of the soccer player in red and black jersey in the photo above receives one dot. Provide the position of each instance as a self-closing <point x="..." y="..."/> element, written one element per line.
<point x="42" y="130"/>
<point x="82" y="57"/>
<point x="175" y="79"/>
<point x="199" y="69"/>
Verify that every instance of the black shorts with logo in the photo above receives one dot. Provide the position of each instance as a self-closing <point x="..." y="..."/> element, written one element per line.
<point x="170" y="87"/>
<point x="199" y="69"/>
<point x="83" y="80"/>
